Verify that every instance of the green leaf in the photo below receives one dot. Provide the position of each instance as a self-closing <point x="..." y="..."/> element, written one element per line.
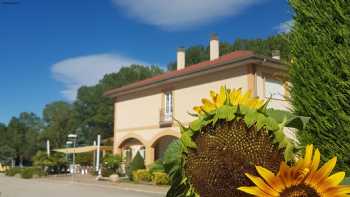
<point x="298" y="122"/>
<point x="263" y="108"/>
<point x="260" y="121"/>
<point x="250" y="118"/>
<point x="187" y="140"/>
<point x="289" y="152"/>
<point x="196" y="124"/>
<point x="293" y="121"/>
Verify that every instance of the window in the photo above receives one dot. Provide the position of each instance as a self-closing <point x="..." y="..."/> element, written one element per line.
<point x="274" y="89"/>
<point x="168" y="108"/>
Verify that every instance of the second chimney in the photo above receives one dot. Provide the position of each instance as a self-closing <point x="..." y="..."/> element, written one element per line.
<point x="180" y="58"/>
<point x="214" y="47"/>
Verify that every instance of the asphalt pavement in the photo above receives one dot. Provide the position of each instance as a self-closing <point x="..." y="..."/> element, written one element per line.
<point x="17" y="187"/>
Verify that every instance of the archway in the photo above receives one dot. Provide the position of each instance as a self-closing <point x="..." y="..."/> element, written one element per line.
<point x="161" y="144"/>
<point x="130" y="147"/>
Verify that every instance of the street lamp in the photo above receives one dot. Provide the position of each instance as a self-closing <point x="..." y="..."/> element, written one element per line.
<point x="73" y="137"/>
<point x="68" y="144"/>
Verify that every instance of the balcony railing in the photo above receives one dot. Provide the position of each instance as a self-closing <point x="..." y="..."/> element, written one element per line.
<point x="165" y="118"/>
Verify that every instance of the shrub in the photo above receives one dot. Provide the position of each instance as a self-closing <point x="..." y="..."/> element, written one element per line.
<point x="13" y="171"/>
<point x="27" y="173"/>
<point x="84" y="159"/>
<point x="53" y="163"/>
<point x="160" y="178"/>
<point x="142" y="175"/>
<point x="106" y="172"/>
<point x="111" y="162"/>
<point x="136" y="164"/>
<point x="157" y="166"/>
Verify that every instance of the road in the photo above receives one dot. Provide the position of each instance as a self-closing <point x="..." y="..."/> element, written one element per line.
<point x="16" y="187"/>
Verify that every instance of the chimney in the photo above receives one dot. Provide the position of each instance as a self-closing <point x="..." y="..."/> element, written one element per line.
<point x="276" y="54"/>
<point x="180" y="58"/>
<point x="214" y="47"/>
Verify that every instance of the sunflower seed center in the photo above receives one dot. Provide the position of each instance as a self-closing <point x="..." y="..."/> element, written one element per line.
<point x="300" y="191"/>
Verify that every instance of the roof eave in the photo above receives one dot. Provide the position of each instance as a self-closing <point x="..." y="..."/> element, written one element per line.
<point x="251" y="59"/>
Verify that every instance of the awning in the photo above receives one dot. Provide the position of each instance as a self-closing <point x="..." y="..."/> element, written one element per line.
<point x="83" y="149"/>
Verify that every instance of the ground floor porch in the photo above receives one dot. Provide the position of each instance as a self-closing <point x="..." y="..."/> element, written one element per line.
<point x="150" y="143"/>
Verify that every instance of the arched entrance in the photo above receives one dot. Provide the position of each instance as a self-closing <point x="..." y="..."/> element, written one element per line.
<point x="130" y="147"/>
<point x="161" y="144"/>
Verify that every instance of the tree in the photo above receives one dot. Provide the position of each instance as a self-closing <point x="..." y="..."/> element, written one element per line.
<point x="94" y="112"/>
<point x="320" y="75"/>
<point x="199" y="53"/>
<point x="59" y="121"/>
<point x="22" y="136"/>
<point x="7" y="154"/>
<point x="137" y="163"/>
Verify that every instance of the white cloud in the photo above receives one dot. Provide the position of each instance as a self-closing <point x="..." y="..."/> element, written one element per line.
<point x="181" y="14"/>
<point x="285" y="27"/>
<point x="87" y="70"/>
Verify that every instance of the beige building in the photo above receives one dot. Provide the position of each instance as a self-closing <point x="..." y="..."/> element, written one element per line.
<point x="144" y="111"/>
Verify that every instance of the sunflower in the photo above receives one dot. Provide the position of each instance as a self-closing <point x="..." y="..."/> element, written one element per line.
<point x="232" y="97"/>
<point x="233" y="132"/>
<point x="302" y="180"/>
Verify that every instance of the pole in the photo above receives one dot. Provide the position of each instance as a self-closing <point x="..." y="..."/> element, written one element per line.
<point x="74" y="155"/>
<point x="94" y="155"/>
<point x="48" y="147"/>
<point x="98" y="154"/>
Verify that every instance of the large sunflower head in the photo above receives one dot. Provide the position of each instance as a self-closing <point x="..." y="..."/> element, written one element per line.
<point x="231" y="135"/>
<point x="304" y="179"/>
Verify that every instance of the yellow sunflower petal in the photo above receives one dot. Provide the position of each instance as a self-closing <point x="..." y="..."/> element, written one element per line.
<point x="331" y="181"/>
<point x="323" y="172"/>
<point x="198" y="109"/>
<point x="262" y="185"/>
<point x="316" y="160"/>
<point x="214" y="96"/>
<point x="274" y="181"/>
<point x="253" y="191"/>
<point x="340" y="190"/>
<point x="221" y="98"/>
<point x="245" y="98"/>
<point x="234" y="96"/>
<point x="308" y="155"/>
<point x="284" y="174"/>
<point x="207" y="105"/>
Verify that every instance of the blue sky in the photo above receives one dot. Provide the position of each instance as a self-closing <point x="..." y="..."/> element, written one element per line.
<point x="50" y="48"/>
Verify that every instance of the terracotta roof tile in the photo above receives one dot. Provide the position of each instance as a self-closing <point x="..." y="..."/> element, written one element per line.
<point x="188" y="69"/>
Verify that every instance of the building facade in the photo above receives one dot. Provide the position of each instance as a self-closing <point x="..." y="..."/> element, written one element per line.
<point x="145" y="111"/>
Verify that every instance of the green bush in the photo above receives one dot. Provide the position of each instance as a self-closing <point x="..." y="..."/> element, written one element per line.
<point x="106" y="172"/>
<point x="13" y="171"/>
<point x="27" y="173"/>
<point x="160" y="178"/>
<point x="84" y="159"/>
<point x="136" y="164"/>
<point x="53" y="163"/>
<point x="142" y="176"/>
<point x="157" y="166"/>
<point x="112" y="162"/>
